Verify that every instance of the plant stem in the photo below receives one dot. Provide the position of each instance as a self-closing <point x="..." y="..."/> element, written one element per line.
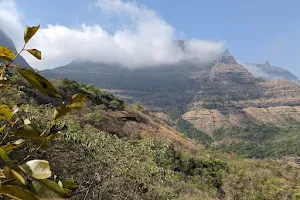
<point x="8" y="65"/>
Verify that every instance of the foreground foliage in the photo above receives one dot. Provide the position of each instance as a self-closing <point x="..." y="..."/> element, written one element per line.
<point x="21" y="135"/>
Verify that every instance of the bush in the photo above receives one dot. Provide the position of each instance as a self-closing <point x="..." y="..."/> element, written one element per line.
<point x="139" y="106"/>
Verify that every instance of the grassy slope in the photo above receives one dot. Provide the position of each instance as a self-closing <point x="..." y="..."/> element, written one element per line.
<point x="156" y="163"/>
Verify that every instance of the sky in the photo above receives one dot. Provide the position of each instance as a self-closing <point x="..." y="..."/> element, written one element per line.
<point x="140" y="33"/>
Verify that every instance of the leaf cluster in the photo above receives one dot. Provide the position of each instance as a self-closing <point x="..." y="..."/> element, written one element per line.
<point x="25" y="178"/>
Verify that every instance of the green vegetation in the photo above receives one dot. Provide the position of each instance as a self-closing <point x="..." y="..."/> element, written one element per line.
<point x="156" y="169"/>
<point x="68" y="87"/>
<point x="174" y="113"/>
<point x="139" y="106"/>
<point x="21" y="135"/>
<point x="190" y="131"/>
<point x="261" y="141"/>
<point x="105" y="166"/>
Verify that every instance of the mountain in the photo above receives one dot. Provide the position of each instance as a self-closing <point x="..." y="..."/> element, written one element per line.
<point x="117" y="151"/>
<point x="209" y="96"/>
<point x="269" y="72"/>
<point x="5" y="40"/>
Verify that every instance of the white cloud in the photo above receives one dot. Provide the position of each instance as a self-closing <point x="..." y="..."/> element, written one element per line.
<point x="145" y="39"/>
<point x="10" y="20"/>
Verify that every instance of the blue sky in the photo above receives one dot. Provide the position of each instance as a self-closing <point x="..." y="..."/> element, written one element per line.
<point x="253" y="31"/>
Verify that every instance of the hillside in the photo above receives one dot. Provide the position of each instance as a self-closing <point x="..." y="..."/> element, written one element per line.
<point x="117" y="152"/>
<point x="208" y="95"/>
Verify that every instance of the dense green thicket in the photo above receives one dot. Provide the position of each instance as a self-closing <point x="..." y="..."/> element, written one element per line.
<point x="95" y="95"/>
<point x="139" y="169"/>
<point x="66" y="88"/>
<point x="190" y="131"/>
<point x="261" y="141"/>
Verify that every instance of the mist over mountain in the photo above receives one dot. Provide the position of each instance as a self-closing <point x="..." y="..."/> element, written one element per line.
<point x="194" y="86"/>
<point x="209" y="95"/>
<point x="269" y="72"/>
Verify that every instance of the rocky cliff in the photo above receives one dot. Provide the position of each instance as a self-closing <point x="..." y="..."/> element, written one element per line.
<point x="208" y="95"/>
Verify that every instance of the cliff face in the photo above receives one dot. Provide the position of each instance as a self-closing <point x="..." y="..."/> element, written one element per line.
<point x="210" y="95"/>
<point x="228" y="82"/>
<point x="259" y="102"/>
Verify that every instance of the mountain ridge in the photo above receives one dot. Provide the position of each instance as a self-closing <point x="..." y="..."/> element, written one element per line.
<point x="208" y="95"/>
<point x="269" y="72"/>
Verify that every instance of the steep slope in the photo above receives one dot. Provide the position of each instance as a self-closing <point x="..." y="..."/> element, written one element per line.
<point x="155" y="86"/>
<point x="209" y="95"/>
<point x="269" y="72"/>
<point x="6" y="41"/>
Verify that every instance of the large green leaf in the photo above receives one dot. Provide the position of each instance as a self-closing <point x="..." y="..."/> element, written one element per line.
<point x="17" y="192"/>
<point x="29" y="32"/>
<point x="39" y="169"/>
<point x="54" y="135"/>
<point x="36" y="53"/>
<point x="14" y="145"/>
<point x="75" y="106"/>
<point x="3" y="154"/>
<point x="61" y="111"/>
<point x="39" y="82"/>
<point x="29" y="131"/>
<point x="18" y="177"/>
<point x="69" y="184"/>
<point x="2" y="127"/>
<point x="6" y="172"/>
<point x="49" y="189"/>
<point x="6" y="54"/>
<point x="79" y="97"/>
<point x="5" y="112"/>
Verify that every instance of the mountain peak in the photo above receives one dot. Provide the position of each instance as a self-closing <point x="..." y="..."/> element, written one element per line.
<point x="226" y="52"/>
<point x="226" y="58"/>
<point x="267" y="63"/>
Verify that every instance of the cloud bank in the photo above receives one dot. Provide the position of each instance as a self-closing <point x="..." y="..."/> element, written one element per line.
<point x="144" y="39"/>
